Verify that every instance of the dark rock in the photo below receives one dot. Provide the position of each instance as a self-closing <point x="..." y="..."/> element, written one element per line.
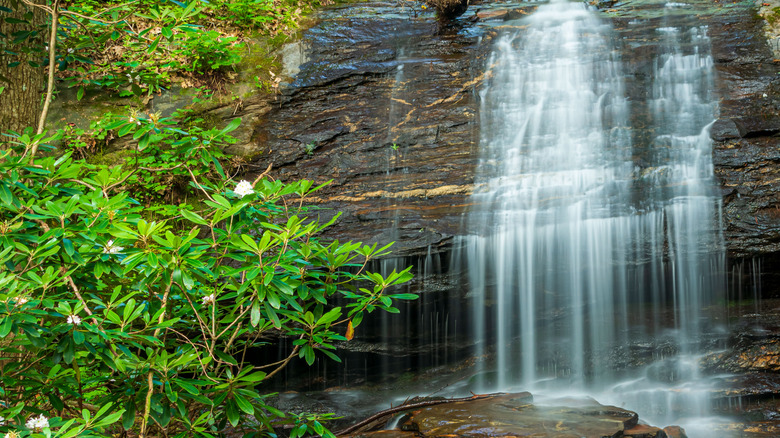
<point x="448" y="9"/>
<point x="724" y="129"/>
<point x="758" y="126"/>
<point x="388" y="109"/>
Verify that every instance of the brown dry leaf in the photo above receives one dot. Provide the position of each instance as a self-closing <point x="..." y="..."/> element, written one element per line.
<point x="350" y="331"/>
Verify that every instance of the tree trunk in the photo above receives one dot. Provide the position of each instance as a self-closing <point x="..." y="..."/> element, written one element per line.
<point x="20" y="100"/>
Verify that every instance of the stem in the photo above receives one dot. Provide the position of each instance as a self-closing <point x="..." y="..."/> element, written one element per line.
<point x="50" y="84"/>
<point x="147" y="403"/>
<point x="150" y="375"/>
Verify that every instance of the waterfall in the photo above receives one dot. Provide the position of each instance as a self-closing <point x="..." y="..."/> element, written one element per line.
<point x="586" y="238"/>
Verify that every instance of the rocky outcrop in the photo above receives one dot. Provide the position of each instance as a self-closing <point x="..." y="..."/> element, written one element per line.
<point x="746" y="153"/>
<point x="387" y="108"/>
<point x="515" y="415"/>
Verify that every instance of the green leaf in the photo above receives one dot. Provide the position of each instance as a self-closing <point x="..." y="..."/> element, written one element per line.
<point x="5" y="195"/>
<point x="244" y="404"/>
<point x="192" y="389"/>
<point x="78" y="337"/>
<point x="5" y="326"/>
<point x="225" y="357"/>
<point x="128" y="417"/>
<point x="231" y="126"/>
<point x="154" y="45"/>
<point x="330" y="354"/>
<point x="232" y="413"/>
<point x="193" y="217"/>
<point x="67" y="244"/>
<point x="254" y="314"/>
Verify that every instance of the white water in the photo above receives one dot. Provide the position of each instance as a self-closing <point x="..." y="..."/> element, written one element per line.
<point x="577" y="248"/>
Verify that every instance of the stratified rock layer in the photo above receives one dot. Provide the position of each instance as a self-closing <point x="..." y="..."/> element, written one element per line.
<point x="386" y="106"/>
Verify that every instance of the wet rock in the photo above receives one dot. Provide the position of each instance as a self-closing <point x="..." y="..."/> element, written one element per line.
<point x="724" y="129"/>
<point x="516" y="415"/>
<point x="758" y="126"/>
<point x="448" y="9"/>
<point x="644" y="431"/>
<point x="387" y="107"/>
<point x="753" y="346"/>
<point x="385" y="434"/>
<point x="675" y="432"/>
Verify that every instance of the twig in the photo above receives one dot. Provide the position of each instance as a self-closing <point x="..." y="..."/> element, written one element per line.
<point x="195" y="180"/>
<point x="284" y="362"/>
<point x="259" y="177"/>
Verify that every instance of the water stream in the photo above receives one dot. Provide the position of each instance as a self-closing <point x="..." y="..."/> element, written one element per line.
<point x="586" y="238"/>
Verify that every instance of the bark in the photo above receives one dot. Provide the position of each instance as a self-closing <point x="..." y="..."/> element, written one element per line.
<point x="20" y="101"/>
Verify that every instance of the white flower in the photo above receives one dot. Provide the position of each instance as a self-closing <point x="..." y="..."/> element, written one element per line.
<point x="19" y="302"/>
<point x="38" y="423"/>
<point x="11" y="434"/>
<point x="209" y="299"/>
<point x="70" y="50"/>
<point x="74" y="319"/>
<point x="765" y="95"/>
<point x="110" y="248"/>
<point x="243" y="188"/>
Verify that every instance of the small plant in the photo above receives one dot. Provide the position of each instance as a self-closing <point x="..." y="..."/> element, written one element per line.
<point x="309" y="148"/>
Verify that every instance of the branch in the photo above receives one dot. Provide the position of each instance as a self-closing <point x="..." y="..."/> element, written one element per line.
<point x="50" y="83"/>
<point x="150" y="375"/>
<point x="195" y="180"/>
<point x="259" y="177"/>
<point x="284" y="362"/>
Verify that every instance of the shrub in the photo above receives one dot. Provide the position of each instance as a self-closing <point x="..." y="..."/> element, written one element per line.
<point x="111" y="320"/>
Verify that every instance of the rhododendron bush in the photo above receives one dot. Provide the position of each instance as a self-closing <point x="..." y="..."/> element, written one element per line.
<point x="113" y="320"/>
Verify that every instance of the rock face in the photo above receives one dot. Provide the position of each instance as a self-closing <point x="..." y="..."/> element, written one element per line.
<point x="515" y="415"/>
<point x="386" y="105"/>
<point x="746" y="150"/>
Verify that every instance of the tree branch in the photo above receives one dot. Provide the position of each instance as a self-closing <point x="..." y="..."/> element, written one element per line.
<point x="50" y="83"/>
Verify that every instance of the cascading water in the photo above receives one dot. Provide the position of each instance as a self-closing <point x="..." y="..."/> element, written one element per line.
<point x="582" y="240"/>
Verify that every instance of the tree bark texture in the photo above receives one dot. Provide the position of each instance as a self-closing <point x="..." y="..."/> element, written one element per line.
<point x="20" y="101"/>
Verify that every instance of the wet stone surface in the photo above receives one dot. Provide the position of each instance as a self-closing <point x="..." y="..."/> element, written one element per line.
<point x="386" y="104"/>
<point x="516" y="415"/>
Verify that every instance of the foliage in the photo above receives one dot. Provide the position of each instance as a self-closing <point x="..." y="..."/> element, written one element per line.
<point x="133" y="295"/>
<point x="110" y="320"/>
<point x="141" y="46"/>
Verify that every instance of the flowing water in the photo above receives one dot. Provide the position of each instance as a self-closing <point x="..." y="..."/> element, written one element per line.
<point x="587" y="237"/>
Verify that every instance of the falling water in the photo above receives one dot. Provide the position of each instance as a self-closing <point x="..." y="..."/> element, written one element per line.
<point x="583" y="241"/>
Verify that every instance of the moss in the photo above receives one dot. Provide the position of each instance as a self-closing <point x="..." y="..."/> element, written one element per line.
<point x="112" y="158"/>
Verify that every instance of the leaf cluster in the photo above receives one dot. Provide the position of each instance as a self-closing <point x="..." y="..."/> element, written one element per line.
<point x="112" y="321"/>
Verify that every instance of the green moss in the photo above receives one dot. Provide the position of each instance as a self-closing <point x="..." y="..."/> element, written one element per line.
<point x="110" y="158"/>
